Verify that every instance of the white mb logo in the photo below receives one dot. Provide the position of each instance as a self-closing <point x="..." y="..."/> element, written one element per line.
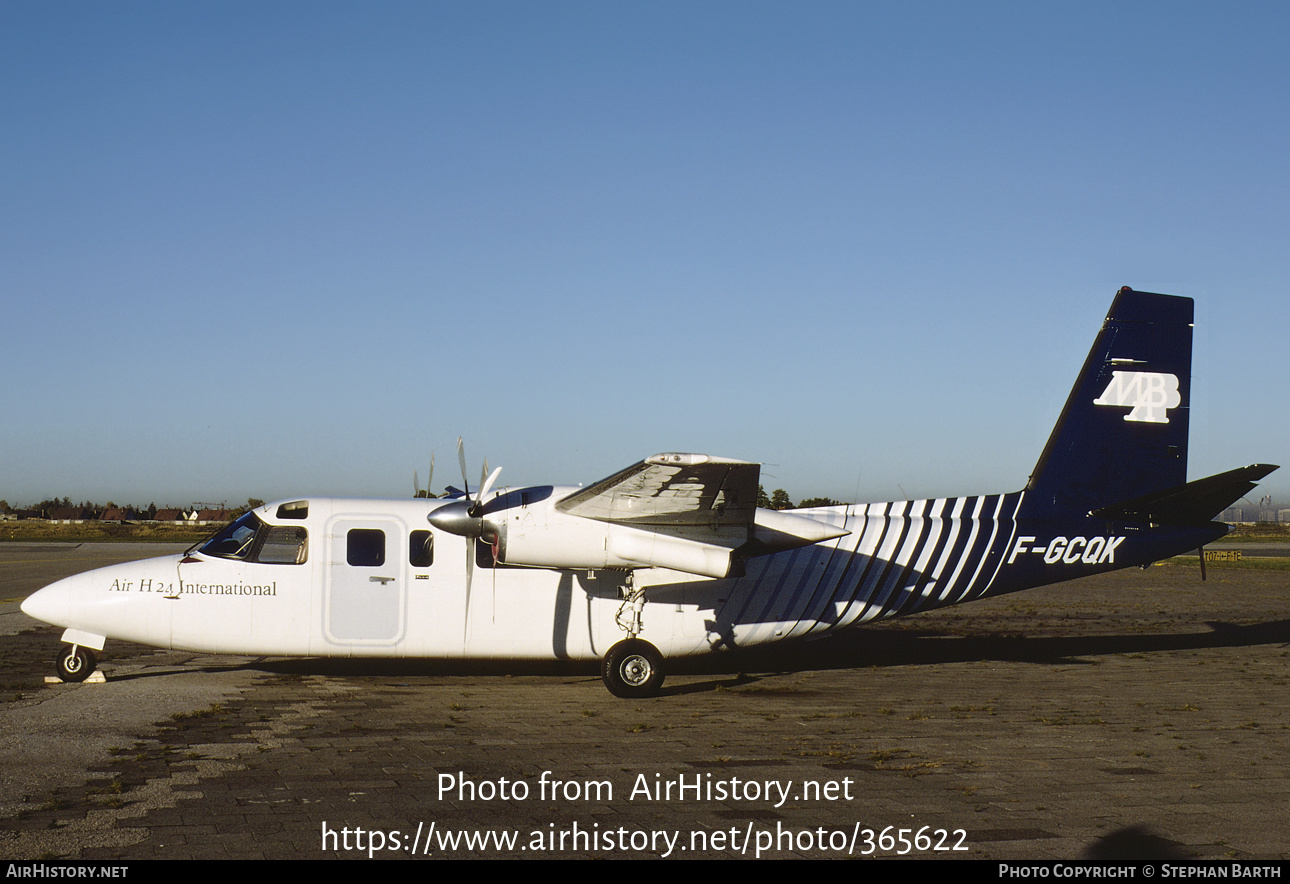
<point x="1149" y="393"/>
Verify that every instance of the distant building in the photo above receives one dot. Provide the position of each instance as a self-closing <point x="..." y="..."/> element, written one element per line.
<point x="70" y="515"/>
<point x="205" y="517"/>
<point x="1249" y="515"/>
<point x="118" y="514"/>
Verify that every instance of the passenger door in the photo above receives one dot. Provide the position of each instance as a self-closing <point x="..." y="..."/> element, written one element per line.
<point x="366" y="584"/>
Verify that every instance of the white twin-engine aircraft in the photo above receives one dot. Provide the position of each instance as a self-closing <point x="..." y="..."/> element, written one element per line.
<point x="672" y="557"/>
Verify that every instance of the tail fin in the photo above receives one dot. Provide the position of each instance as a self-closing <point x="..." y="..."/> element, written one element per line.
<point x="1123" y="432"/>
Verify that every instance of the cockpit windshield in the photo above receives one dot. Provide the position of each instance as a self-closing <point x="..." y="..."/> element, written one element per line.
<point x="250" y="539"/>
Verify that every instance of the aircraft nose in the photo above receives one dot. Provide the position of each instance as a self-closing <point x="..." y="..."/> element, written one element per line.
<point x="50" y="604"/>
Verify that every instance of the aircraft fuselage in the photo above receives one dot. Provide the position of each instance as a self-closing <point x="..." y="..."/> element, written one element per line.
<point x="358" y="582"/>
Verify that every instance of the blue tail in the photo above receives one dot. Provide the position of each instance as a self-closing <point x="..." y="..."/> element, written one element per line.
<point x="1111" y="488"/>
<point x="1123" y="432"/>
<point x="1110" y="491"/>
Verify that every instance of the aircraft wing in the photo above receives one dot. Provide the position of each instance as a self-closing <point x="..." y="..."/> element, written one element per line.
<point x="673" y="490"/>
<point x="687" y="512"/>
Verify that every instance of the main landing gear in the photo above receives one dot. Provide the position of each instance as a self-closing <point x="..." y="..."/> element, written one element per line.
<point x="75" y="663"/>
<point x="633" y="668"/>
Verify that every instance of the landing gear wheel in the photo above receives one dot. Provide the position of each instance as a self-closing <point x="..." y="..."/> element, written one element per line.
<point x="633" y="668"/>
<point x="75" y="663"/>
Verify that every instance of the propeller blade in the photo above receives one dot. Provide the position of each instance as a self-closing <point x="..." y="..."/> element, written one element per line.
<point x="416" y="485"/>
<point x="461" y="458"/>
<point x="470" y="573"/>
<point x="487" y="485"/>
<point x="475" y="503"/>
<point x="430" y="478"/>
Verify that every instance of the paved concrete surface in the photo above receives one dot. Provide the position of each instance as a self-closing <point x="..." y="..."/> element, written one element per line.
<point x="1037" y="724"/>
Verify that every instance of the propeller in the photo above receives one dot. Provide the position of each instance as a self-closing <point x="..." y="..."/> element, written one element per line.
<point x="465" y="517"/>
<point x="416" y="484"/>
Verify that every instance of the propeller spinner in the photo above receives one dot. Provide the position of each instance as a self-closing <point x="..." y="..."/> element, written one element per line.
<point x="465" y="517"/>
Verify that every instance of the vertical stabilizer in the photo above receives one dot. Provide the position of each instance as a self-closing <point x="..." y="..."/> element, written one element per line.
<point x="1123" y="432"/>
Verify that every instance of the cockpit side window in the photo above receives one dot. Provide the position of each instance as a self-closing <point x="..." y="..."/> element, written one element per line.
<point x="250" y="540"/>
<point x="284" y="545"/>
<point x="235" y="541"/>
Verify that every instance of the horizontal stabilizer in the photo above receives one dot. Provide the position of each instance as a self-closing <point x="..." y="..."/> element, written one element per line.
<point x="1195" y="503"/>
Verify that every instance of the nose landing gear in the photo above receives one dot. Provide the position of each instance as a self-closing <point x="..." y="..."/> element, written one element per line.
<point x="75" y="663"/>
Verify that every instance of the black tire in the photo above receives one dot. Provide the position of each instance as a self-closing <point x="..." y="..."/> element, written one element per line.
<point x="633" y="668"/>
<point x="75" y="663"/>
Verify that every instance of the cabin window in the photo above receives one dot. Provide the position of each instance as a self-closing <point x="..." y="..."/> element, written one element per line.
<point x="421" y="549"/>
<point x="296" y="509"/>
<point x="365" y="547"/>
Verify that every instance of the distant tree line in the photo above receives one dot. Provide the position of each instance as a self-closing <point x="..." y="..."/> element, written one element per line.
<point x="779" y="500"/>
<point x="91" y="510"/>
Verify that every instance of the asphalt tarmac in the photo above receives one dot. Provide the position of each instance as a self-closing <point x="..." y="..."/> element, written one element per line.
<point x="1140" y="713"/>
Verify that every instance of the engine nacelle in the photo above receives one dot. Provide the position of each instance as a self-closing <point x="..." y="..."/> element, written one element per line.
<point x="573" y="542"/>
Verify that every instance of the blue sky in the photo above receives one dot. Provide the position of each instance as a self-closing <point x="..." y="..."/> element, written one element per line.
<point x="275" y="249"/>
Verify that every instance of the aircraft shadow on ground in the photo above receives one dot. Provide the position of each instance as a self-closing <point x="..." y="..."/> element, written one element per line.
<point x="855" y="649"/>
